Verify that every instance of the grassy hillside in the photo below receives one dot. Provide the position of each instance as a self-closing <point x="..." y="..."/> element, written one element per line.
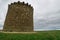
<point x="46" y="35"/>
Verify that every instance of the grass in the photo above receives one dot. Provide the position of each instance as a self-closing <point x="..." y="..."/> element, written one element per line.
<point x="46" y="35"/>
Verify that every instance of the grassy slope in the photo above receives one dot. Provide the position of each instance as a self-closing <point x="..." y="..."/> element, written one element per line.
<point x="48" y="35"/>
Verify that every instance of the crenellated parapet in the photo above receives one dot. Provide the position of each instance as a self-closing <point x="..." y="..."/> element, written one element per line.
<point x="21" y="3"/>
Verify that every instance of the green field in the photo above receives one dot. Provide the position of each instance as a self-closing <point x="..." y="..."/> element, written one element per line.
<point x="46" y="35"/>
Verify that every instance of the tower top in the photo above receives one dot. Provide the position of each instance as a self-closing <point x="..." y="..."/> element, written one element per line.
<point x="21" y="3"/>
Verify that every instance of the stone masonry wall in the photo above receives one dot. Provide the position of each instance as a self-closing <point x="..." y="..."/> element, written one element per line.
<point x="19" y="18"/>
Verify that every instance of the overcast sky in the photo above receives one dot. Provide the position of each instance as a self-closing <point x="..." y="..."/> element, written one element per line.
<point x="46" y="13"/>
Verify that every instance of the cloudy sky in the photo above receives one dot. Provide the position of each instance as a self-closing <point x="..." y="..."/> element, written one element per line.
<point x="46" y="13"/>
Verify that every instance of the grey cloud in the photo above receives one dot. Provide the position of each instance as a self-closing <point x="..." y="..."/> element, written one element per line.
<point x="48" y="24"/>
<point x="1" y="25"/>
<point x="57" y="21"/>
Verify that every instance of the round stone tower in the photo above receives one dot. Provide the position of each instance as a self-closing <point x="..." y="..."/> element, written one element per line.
<point x="19" y="18"/>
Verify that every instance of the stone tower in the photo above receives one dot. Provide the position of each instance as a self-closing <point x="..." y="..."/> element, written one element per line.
<point x="19" y="18"/>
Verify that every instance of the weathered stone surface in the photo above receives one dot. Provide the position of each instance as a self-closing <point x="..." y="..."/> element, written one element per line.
<point x="19" y="18"/>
